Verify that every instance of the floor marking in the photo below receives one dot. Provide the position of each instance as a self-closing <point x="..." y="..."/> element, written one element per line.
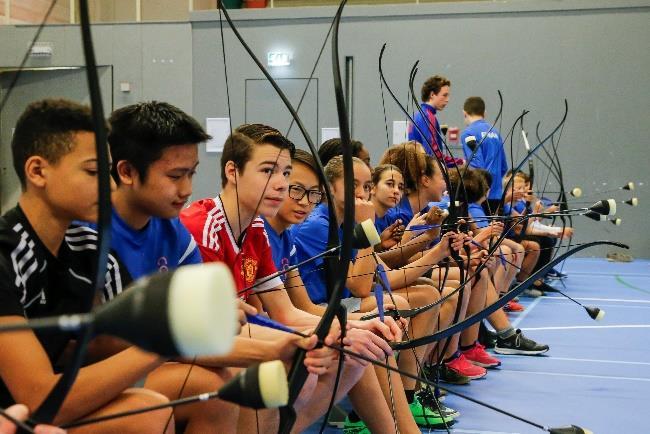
<point x="620" y="280"/>
<point x="523" y="314"/>
<point x="560" y="374"/>
<point x="571" y="359"/>
<point x="467" y="431"/>
<point x="596" y="273"/>
<point x="617" y="306"/>
<point x="621" y="300"/>
<point x="618" y="326"/>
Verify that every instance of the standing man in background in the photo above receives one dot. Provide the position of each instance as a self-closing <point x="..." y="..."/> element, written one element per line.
<point x="435" y="97"/>
<point x="490" y="155"/>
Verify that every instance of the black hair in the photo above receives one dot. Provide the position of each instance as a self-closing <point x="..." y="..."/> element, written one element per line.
<point x="141" y="132"/>
<point x="46" y="128"/>
<point x="332" y="147"/>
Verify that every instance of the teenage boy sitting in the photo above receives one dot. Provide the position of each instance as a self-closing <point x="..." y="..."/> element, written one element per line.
<point x="154" y="146"/>
<point x="41" y="275"/>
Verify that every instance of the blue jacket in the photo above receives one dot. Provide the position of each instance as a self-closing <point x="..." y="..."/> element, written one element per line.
<point x="490" y="155"/>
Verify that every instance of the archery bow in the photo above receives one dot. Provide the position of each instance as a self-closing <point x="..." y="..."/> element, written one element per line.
<point x="52" y="403"/>
<point x="298" y="374"/>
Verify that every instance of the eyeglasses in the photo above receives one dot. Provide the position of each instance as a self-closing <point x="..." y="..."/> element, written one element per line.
<point x="297" y="192"/>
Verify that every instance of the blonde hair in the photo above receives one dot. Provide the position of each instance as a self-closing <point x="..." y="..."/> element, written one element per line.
<point x="334" y="168"/>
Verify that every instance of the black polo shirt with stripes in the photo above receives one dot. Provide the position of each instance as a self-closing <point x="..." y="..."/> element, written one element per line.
<point x="34" y="283"/>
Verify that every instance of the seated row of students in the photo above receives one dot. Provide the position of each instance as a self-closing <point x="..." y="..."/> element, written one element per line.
<point x="425" y="186"/>
<point x="44" y="271"/>
<point x="540" y="237"/>
<point x="154" y="146"/>
<point x="155" y="155"/>
<point x="307" y="239"/>
<point x="266" y="157"/>
<point x="287" y="233"/>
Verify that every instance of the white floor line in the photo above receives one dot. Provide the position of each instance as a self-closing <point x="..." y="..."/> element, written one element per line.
<point x="559" y="374"/>
<point x="620" y="300"/>
<point x="616" y="326"/>
<point x="612" y="274"/>
<point x="466" y="431"/>
<point x="471" y="431"/>
<point x="617" y="306"/>
<point x="571" y="359"/>
<point x="525" y="313"/>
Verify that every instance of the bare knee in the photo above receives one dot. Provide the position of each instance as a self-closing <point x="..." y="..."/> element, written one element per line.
<point x="450" y="295"/>
<point x="154" y="422"/>
<point x="400" y="302"/>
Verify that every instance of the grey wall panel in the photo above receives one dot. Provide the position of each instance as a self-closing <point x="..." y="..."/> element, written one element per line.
<point x="210" y="97"/>
<point x="124" y="53"/>
<point x="594" y="53"/>
<point x="261" y="106"/>
<point x="127" y="63"/>
<point x="167" y="64"/>
<point x="537" y="53"/>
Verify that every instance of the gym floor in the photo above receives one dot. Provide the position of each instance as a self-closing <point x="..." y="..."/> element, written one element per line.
<point x="596" y="375"/>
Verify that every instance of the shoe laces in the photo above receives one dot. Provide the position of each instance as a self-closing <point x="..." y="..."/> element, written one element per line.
<point x="428" y="399"/>
<point x="480" y="349"/>
<point x="520" y="338"/>
<point x="462" y="360"/>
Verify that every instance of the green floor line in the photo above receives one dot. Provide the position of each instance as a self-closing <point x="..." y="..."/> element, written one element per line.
<point x="620" y="280"/>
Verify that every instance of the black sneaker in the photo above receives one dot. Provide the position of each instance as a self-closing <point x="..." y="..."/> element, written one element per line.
<point x="543" y="286"/>
<point x="555" y="275"/>
<point x="519" y="344"/>
<point x="444" y="374"/>
<point x="448" y="375"/>
<point x="427" y="399"/>
<point x="486" y="337"/>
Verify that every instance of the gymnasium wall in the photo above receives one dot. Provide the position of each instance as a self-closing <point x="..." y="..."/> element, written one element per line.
<point x="594" y="53"/>
<point x="536" y="53"/>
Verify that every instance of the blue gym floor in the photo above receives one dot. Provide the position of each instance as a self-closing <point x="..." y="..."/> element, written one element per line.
<point x="596" y="375"/>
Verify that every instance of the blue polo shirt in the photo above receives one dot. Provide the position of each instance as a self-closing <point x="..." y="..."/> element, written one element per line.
<point x="477" y="213"/>
<point x="282" y="248"/>
<point x="381" y="223"/>
<point x="403" y="211"/>
<point x="310" y="239"/>
<point x="490" y="155"/>
<point x="520" y="206"/>
<point x="163" y="244"/>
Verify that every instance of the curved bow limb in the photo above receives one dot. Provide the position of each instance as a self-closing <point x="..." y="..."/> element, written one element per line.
<point x="52" y="403"/>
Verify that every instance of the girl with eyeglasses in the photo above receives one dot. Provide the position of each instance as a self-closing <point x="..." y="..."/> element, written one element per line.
<point x="311" y="239"/>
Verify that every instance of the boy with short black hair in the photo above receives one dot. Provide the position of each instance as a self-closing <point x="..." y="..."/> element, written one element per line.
<point x="155" y="155"/>
<point x="41" y="275"/>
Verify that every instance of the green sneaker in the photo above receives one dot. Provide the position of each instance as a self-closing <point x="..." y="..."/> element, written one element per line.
<point x="428" y="400"/>
<point x="426" y="417"/>
<point x="359" y="427"/>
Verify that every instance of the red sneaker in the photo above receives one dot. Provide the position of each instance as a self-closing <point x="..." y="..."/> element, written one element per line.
<point x="513" y="306"/>
<point x="462" y="366"/>
<point x="479" y="357"/>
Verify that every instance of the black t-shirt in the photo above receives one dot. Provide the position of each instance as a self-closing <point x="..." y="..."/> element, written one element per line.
<point x="34" y="283"/>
